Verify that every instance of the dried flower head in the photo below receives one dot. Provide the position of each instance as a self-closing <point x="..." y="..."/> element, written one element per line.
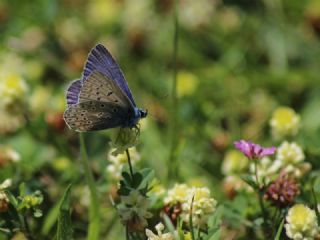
<point x="172" y="211"/>
<point x="282" y="191"/>
<point x="284" y="122"/>
<point x="301" y="223"/>
<point x="253" y="151"/>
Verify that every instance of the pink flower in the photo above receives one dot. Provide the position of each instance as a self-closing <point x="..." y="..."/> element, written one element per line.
<point x="253" y="151"/>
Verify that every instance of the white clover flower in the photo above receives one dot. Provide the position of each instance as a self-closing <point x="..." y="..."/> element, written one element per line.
<point x="123" y="139"/>
<point x="159" y="236"/>
<point x="234" y="162"/>
<point x="133" y="210"/>
<point x="117" y="162"/>
<point x="284" y="122"/>
<point x="290" y="159"/>
<point x="177" y="194"/>
<point x="202" y="206"/>
<point x="301" y="223"/>
<point x="290" y="153"/>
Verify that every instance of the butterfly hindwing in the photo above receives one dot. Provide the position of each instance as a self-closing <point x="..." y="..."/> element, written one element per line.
<point x="101" y="60"/>
<point x="95" y="115"/>
<point x="99" y="87"/>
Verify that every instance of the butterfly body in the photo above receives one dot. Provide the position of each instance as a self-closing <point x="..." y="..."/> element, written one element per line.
<point x="102" y="98"/>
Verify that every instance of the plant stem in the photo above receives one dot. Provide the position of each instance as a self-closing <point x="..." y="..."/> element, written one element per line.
<point x="191" y="220"/>
<point x="315" y="202"/>
<point x="94" y="214"/>
<point x="260" y="193"/>
<point x="130" y="164"/>
<point x="172" y="161"/>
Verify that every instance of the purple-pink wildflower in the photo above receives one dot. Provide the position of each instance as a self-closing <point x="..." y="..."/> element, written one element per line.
<point x="252" y="150"/>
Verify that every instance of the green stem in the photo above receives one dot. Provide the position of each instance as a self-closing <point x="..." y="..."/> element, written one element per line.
<point x="94" y="214"/>
<point x="130" y="164"/>
<point x="172" y="161"/>
<point x="315" y="203"/>
<point x="191" y="220"/>
<point x="260" y="192"/>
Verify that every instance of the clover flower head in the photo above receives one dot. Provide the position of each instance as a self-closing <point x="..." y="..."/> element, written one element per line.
<point x="282" y="191"/>
<point x="284" y="122"/>
<point x="252" y="150"/>
<point x="124" y="138"/>
<point x="266" y="170"/>
<point x="202" y="206"/>
<point x="301" y="223"/>
<point x="234" y="162"/>
<point x="133" y="210"/>
<point x="117" y="162"/>
<point x="177" y="194"/>
<point x="12" y="88"/>
<point x="290" y="153"/>
<point x="159" y="236"/>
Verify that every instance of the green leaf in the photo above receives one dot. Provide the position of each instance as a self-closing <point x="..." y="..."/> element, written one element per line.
<point x="215" y="219"/>
<point x="65" y="231"/>
<point x="12" y="199"/>
<point x="250" y="180"/>
<point x="127" y="178"/>
<point x="277" y="237"/>
<point x="147" y="177"/>
<point x="216" y="235"/>
<point x="51" y="218"/>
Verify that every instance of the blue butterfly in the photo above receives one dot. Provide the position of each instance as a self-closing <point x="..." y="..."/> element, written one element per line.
<point x="101" y="99"/>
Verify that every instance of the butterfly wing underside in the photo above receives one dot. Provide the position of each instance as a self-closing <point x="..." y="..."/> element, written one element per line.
<point x="102" y="105"/>
<point x="95" y="115"/>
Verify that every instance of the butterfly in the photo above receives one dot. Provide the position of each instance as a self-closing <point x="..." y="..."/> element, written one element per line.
<point x="101" y="99"/>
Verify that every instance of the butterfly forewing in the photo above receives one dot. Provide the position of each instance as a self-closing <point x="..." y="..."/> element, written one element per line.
<point x="96" y="115"/>
<point x="99" y="87"/>
<point x="101" y="60"/>
<point x="73" y="92"/>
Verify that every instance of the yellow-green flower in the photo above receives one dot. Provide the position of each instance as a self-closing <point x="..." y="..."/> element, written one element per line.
<point x="177" y="194"/>
<point x="234" y="162"/>
<point x="12" y="88"/>
<point x="284" y="122"/>
<point x="301" y="223"/>
<point x="159" y="236"/>
<point x="203" y="206"/>
<point x="186" y="83"/>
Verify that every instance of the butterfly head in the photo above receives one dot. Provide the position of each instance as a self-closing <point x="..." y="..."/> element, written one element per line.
<point x="143" y="113"/>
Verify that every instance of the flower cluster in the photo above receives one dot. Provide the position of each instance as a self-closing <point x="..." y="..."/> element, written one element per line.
<point x="133" y="210"/>
<point x="301" y="223"/>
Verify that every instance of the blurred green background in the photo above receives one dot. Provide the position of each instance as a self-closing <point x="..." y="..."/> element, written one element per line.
<point x="237" y="61"/>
